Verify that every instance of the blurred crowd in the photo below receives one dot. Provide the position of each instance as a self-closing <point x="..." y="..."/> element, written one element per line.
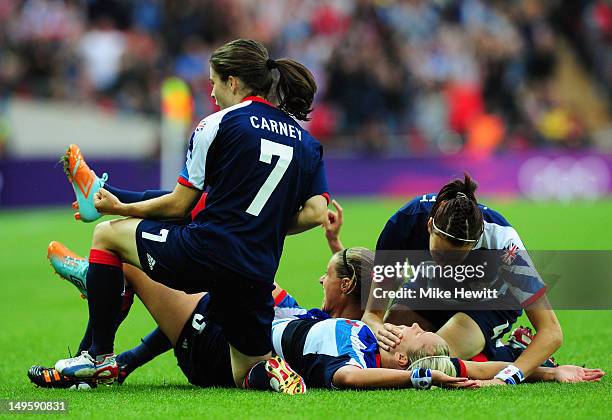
<point x="394" y="76"/>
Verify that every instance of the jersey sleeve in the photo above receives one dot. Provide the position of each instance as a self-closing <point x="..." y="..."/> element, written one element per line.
<point x="285" y="306"/>
<point x="392" y="235"/>
<point x="319" y="183"/>
<point x="193" y="174"/>
<point x="519" y="273"/>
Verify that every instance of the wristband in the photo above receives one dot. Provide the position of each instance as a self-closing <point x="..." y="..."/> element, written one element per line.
<point x="511" y="375"/>
<point x="421" y="378"/>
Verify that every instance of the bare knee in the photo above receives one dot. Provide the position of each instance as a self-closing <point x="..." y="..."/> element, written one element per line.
<point x="103" y="237"/>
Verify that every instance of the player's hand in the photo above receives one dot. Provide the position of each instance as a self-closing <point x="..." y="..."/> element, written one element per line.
<point x="334" y="222"/>
<point x="490" y="382"/>
<point x="389" y="337"/>
<point x="444" y="380"/>
<point x="106" y="203"/>
<point x="570" y="373"/>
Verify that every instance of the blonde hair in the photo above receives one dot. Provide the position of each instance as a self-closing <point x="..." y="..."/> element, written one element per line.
<point x="442" y="363"/>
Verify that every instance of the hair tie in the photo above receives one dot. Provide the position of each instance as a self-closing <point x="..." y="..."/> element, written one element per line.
<point x="461" y="194"/>
<point x="271" y="64"/>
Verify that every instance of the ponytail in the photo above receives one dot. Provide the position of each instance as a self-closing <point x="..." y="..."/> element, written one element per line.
<point x="456" y="213"/>
<point x="295" y="89"/>
<point x="249" y="61"/>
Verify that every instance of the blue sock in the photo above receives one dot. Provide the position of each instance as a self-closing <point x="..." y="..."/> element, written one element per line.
<point x="104" y="288"/>
<point x="151" y="346"/>
<point x="126" y="196"/>
<point x="125" y="309"/>
<point x="86" y="341"/>
<point x="257" y="378"/>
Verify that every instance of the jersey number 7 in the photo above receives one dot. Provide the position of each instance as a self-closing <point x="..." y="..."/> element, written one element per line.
<point x="285" y="154"/>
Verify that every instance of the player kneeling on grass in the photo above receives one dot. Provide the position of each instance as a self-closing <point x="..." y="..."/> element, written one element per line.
<point x="453" y="228"/>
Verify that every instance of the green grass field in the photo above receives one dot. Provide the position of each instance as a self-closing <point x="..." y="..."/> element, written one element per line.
<point x="43" y="315"/>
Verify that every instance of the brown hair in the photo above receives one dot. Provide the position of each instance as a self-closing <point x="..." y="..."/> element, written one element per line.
<point x="359" y="261"/>
<point x="456" y="211"/>
<point x="249" y="61"/>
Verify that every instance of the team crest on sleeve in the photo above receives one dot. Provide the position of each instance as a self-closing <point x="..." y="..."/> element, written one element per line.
<point x="201" y="125"/>
<point x="510" y="253"/>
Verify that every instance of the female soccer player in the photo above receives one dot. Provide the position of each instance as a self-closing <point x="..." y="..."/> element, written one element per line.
<point x="266" y="179"/>
<point x="453" y="222"/>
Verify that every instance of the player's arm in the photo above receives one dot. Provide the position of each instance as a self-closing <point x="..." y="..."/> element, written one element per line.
<point x="391" y="238"/>
<point x="312" y="214"/>
<point x="356" y="378"/>
<point x="547" y="340"/>
<point x="566" y="373"/>
<point x="332" y="228"/>
<point x="174" y="205"/>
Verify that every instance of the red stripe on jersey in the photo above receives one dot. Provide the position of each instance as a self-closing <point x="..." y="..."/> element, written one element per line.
<point x="279" y="298"/>
<point x="257" y="99"/>
<point x="99" y="256"/>
<point x="185" y="182"/>
<point x="378" y="363"/>
<point x="200" y="205"/>
<point x="326" y="195"/>
<point x="535" y="297"/>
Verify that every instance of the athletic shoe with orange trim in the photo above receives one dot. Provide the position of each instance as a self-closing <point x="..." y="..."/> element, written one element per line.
<point x="283" y="378"/>
<point x="102" y="369"/>
<point x="84" y="182"/>
<point x="69" y="266"/>
<point x="50" y="378"/>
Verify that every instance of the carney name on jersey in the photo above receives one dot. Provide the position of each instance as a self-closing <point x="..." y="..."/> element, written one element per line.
<point x="407" y="230"/>
<point x="260" y="167"/>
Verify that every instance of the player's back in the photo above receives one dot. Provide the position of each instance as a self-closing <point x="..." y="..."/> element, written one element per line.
<point x="261" y="167"/>
<point x="317" y="348"/>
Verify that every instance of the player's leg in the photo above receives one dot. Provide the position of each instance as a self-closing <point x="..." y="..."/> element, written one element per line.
<point x="244" y="308"/>
<point x="463" y="335"/>
<point x="170" y="308"/>
<point x="112" y="242"/>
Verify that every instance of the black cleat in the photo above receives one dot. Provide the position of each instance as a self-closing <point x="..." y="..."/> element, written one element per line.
<point x="51" y="378"/>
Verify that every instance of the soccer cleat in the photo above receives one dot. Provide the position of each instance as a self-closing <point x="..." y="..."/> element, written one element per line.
<point x="69" y="266"/>
<point x="520" y="338"/>
<point x="102" y="369"/>
<point x="84" y="182"/>
<point x="283" y="378"/>
<point x="51" y="378"/>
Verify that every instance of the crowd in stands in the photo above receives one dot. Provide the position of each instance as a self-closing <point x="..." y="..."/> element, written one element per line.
<point x="394" y="76"/>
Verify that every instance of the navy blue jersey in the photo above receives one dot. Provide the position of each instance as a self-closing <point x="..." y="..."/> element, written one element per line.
<point x="317" y="348"/>
<point x="407" y="230"/>
<point x="260" y="167"/>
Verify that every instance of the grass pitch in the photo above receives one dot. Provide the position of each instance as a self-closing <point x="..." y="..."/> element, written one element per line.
<point x="42" y="315"/>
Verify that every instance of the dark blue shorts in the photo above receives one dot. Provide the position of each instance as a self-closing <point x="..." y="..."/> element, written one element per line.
<point x="202" y="351"/>
<point x="493" y="324"/>
<point x="241" y="306"/>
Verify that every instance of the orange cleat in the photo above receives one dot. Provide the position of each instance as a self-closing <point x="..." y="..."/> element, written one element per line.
<point x="69" y="266"/>
<point x="85" y="183"/>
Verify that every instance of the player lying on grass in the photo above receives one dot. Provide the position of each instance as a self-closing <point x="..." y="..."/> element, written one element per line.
<point x="453" y="223"/>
